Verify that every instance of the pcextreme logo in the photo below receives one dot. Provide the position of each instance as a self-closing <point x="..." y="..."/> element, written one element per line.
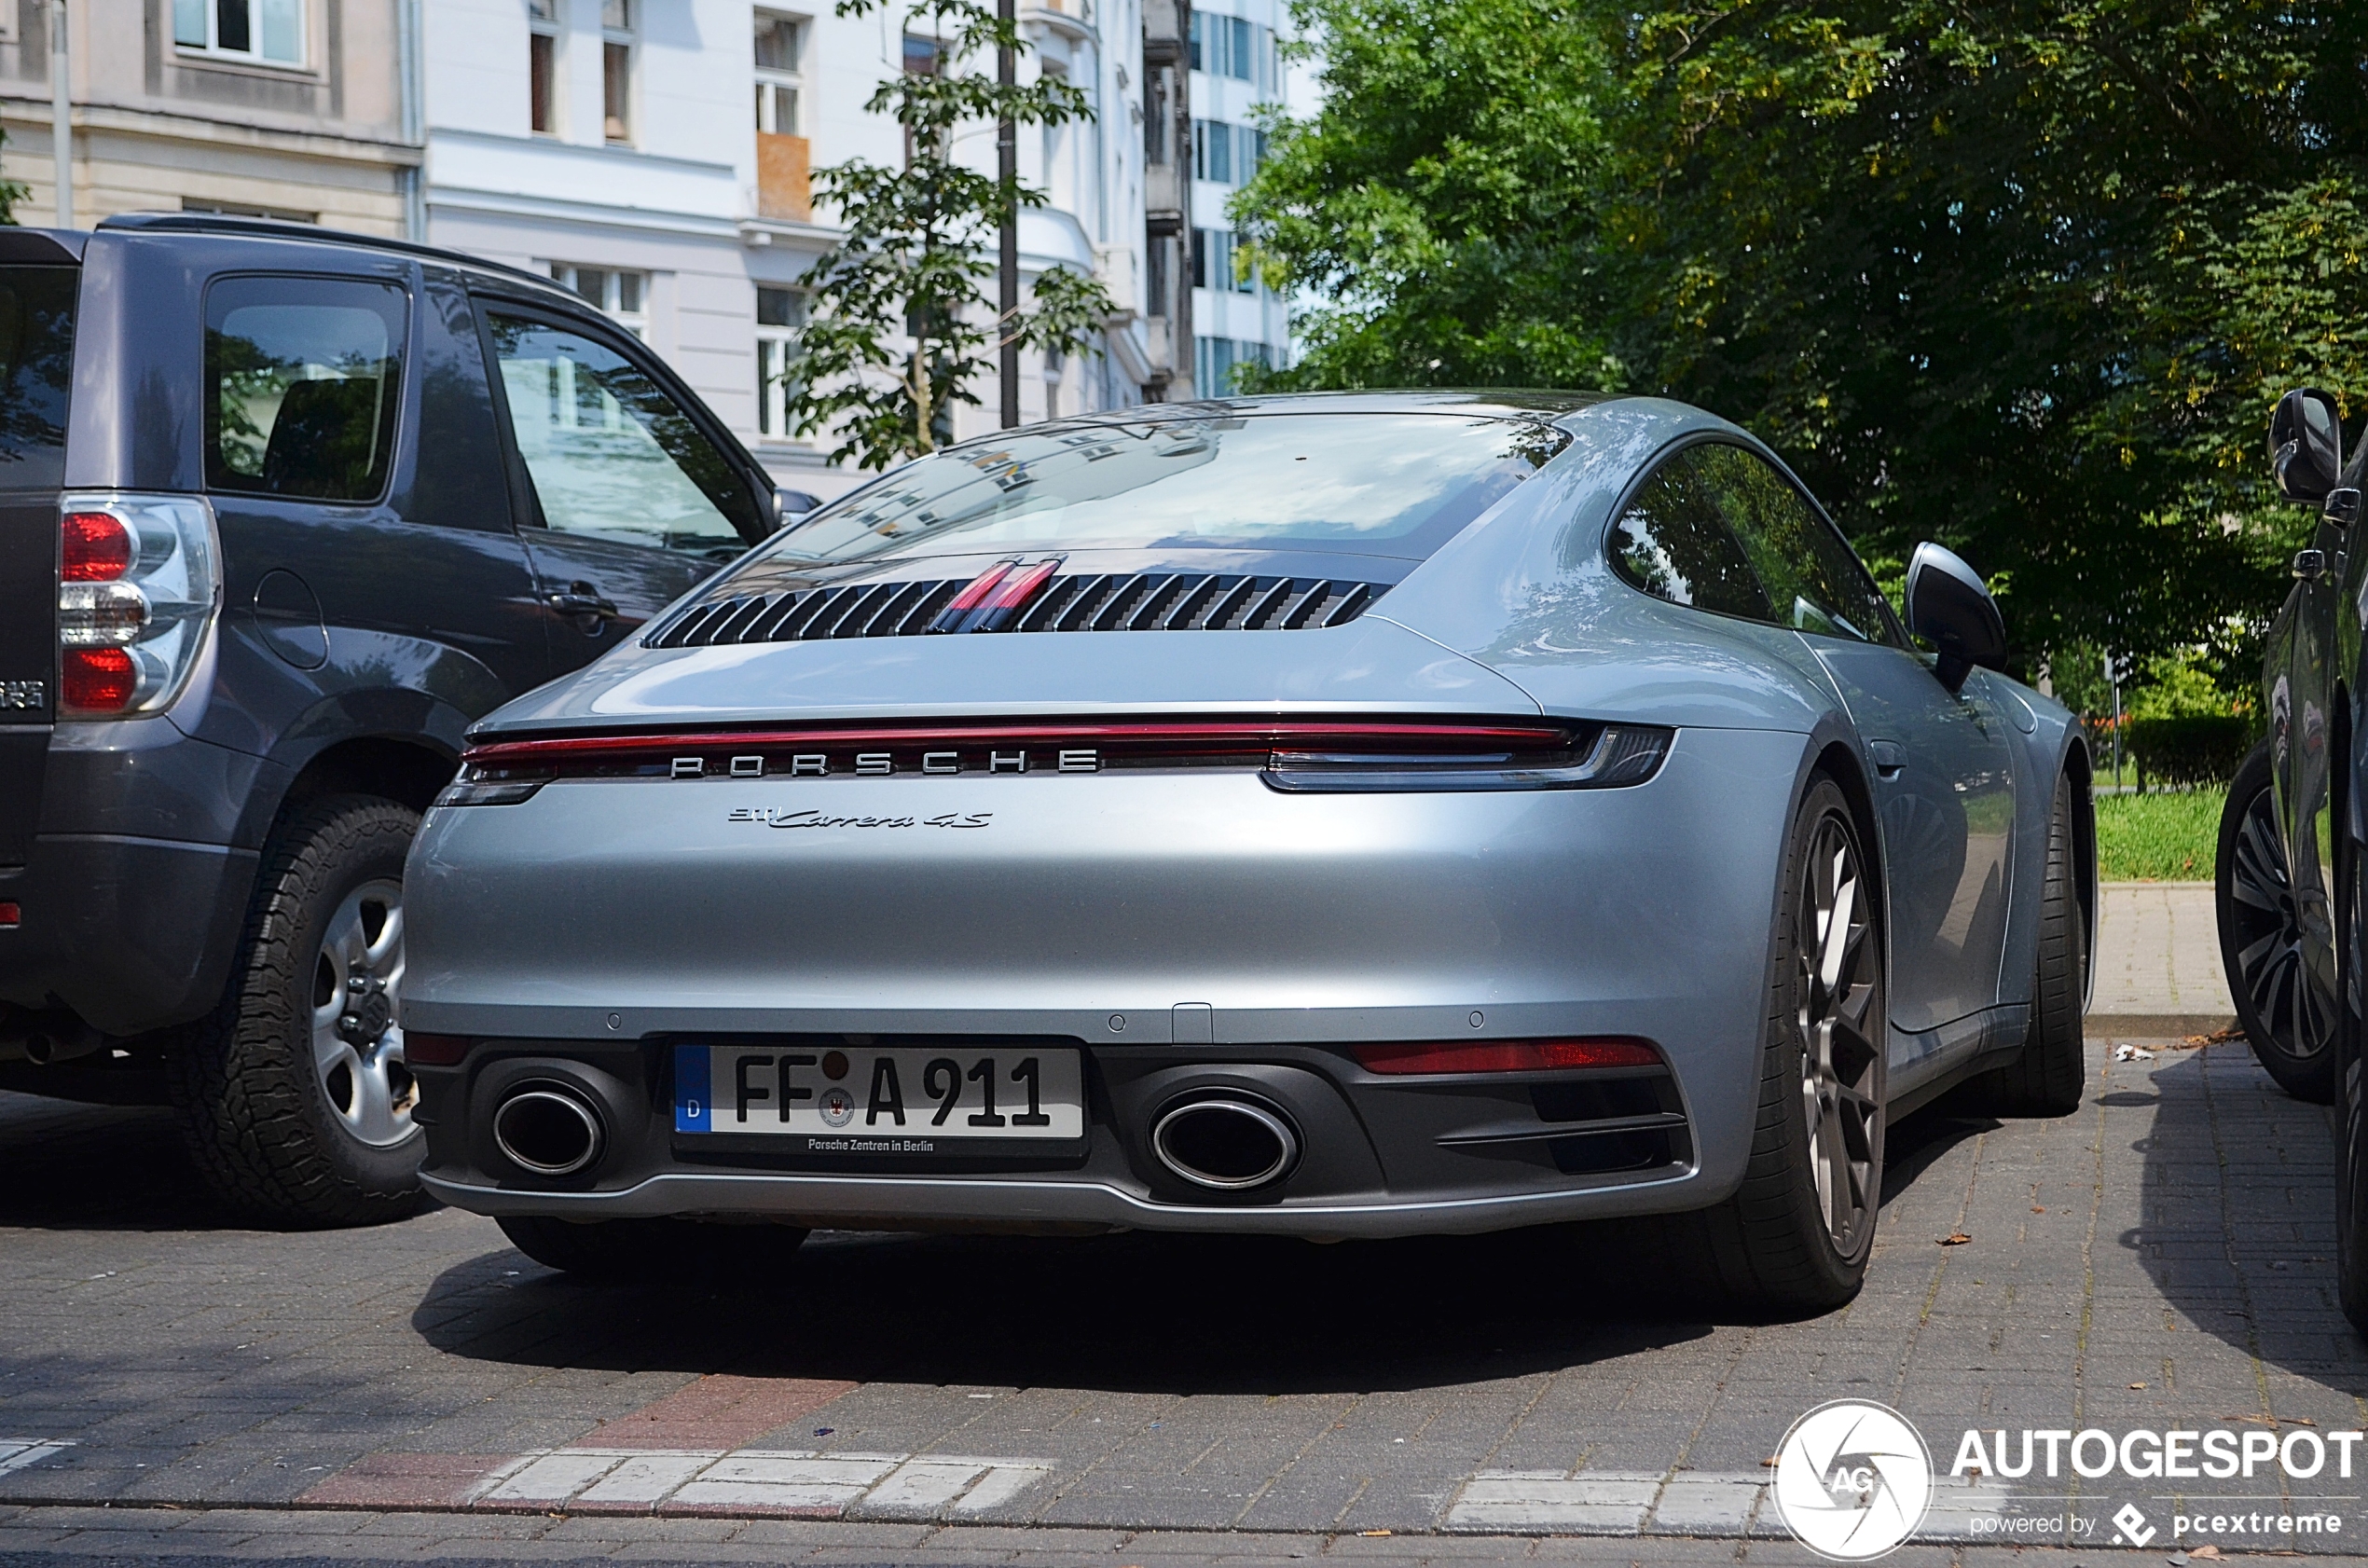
<point x="1852" y="1479"/>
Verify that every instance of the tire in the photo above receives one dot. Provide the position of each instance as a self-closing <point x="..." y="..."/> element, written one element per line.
<point x="653" y="1251"/>
<point x="2351" y="1109"/>
<point x="292" y="1093"/>
<point x="2281" y="1006"/>
<point x="2046" y="1078"/>
<point x="1797" y="1235"/>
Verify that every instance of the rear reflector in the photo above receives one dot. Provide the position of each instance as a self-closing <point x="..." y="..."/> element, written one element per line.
<point x="99" y="680"/>
<point x="423" y="1049"/>
<point x="1506" y="1056"/>
<point x="11" y="915"/>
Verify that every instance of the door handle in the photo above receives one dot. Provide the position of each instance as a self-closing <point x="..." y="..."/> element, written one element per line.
<point x="1891" y="757"/>
<point x="582" y="599"/>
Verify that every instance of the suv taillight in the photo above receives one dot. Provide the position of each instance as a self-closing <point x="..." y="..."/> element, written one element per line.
<point x="138" y="582"/>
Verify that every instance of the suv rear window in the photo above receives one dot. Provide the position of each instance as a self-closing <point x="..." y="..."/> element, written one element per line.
<point x="37" y="367"/>
<point x="302" y="386"/>
<point x="1376" y="484"/>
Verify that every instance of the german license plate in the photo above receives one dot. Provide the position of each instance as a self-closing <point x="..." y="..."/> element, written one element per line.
<point x="906" y="1094"/>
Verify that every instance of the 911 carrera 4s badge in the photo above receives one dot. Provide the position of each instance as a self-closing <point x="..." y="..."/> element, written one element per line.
<point x="776" y="817"/>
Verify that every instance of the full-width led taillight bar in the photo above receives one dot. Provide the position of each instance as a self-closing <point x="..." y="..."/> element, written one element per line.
<point x="1292" y="755"/>
<point x="1506" y="1056"/>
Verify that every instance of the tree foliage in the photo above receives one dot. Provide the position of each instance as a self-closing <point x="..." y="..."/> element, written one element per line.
<point x="2019" y="275"/>
<point x="897" y="324"/>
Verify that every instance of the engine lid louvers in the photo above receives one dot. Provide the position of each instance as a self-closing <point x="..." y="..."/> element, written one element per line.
<point x="1085" y="601"/>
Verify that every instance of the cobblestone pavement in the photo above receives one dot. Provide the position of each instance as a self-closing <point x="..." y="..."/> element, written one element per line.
<point x="2158" y="952"/>
<point x="2158" y="1261"/>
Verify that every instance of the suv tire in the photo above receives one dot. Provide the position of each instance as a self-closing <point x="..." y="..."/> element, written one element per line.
<point x="292" y="1096"/>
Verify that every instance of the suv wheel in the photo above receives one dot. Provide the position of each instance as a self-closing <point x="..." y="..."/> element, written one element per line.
<point x="293" y="1094"/>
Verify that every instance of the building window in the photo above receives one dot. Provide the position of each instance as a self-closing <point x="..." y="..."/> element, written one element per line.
<point x="921" y="58"/>
<point x="543" y="66"/>
<point x="1216" y="359"/>
<point x="1213" y="262"/>
<point x="1224" y="45"/>
<point x="780" y="72"/>
<point x="616" y="70"/>
<point x="1225" y="153"/>
<point x="270" y="32"/>
<point x="623" y="296"/>
<point x="778" y="315"/>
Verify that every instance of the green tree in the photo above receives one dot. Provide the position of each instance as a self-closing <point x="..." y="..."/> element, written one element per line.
<point x="1443" y="202"/>
<point x="11" y="191"/>
<point x="2018" y="275"/>
<point x="898" y="323"/>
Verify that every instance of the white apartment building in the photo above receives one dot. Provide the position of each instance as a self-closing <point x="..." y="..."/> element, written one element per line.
<point x="656" y="156"/>
<point x="1236" y="69"/>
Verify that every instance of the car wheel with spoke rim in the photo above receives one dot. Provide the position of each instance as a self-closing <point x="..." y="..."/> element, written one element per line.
<point x="2352" y="1104"/>
<point x="294" y="1095"/>
<point x="357" y="1046"/>
<point x="2281" y="1001"/>
<point x="1797" y="1232"/>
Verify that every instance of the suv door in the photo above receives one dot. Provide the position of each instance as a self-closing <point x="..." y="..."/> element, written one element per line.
<point x="630" y="502"/>
<point x="349" y="452"/>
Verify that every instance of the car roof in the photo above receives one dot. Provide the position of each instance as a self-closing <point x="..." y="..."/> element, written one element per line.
<point x="283" y="230"/>
<point x="1504" y="403"/>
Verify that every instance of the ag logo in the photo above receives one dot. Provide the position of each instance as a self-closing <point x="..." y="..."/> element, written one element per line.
<point x="1852" y="1481"/>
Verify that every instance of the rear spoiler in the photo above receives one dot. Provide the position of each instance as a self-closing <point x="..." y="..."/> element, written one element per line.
<point x="42" y="247"/>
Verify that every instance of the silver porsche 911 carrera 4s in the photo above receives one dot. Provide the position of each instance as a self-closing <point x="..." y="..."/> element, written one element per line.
<point x="1342" y="816"/>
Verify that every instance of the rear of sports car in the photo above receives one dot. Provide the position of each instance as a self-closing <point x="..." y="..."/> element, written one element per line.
<point x="1064" y="836"/>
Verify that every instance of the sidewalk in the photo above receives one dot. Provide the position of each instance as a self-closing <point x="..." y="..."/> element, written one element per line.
<point x="2157" y="961"/>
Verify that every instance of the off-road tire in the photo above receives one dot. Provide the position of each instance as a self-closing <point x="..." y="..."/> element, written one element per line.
<point x="653" y="1251"/>
<point x="252" y="1109"/>
<point x="1767" y="1249"/>
<point x="2046" y="1076"/>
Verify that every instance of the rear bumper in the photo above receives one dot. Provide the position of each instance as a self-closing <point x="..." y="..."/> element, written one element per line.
<point x="128" y="932"/>
<point x="1184" y="932"/>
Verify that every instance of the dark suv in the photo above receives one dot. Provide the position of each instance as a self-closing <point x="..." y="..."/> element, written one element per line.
<point x="281" y="511"/>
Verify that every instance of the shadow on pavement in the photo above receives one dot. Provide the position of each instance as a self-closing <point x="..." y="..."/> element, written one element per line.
<point x="68" y="1166"/>
<point x="1136" y="1312"/>
<point x="2236" y="1225"/>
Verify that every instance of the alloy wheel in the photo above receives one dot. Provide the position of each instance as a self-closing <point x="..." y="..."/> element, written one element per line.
<point x="357" y="1046"/>
<point x="1839" y="1017"/>
<point x="2271" y="964"/>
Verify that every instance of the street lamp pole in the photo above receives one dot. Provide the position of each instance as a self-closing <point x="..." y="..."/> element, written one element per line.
<point x="61" y="116"/>
<point x="1007" y="169"/>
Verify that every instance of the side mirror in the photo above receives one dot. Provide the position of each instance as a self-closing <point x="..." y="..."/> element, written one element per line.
<point x="2307" y="445"/>
<point x="1949" y="606"/>
<point x="790" y="507"/>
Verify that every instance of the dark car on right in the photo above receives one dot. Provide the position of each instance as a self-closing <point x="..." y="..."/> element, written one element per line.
<point x="2288" y="874"/>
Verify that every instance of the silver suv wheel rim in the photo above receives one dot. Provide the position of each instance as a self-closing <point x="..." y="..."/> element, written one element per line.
<point x="2270" y="962"/>
<point x="357" y="1046"/>
<point x="1841" y="1062"/>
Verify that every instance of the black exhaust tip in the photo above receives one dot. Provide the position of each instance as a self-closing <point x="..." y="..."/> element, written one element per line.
<point x="1228" y="1145"/>
<point x="549" y="1132"/>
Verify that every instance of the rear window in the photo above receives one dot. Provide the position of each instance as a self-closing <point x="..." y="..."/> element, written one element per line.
<point x="37" y="367"/>
<point x="302" y="386"/>
<point x="1378" y="483"/>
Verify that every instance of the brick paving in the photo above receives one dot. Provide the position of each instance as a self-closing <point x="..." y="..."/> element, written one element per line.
<point x="2158" y="1261"/>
